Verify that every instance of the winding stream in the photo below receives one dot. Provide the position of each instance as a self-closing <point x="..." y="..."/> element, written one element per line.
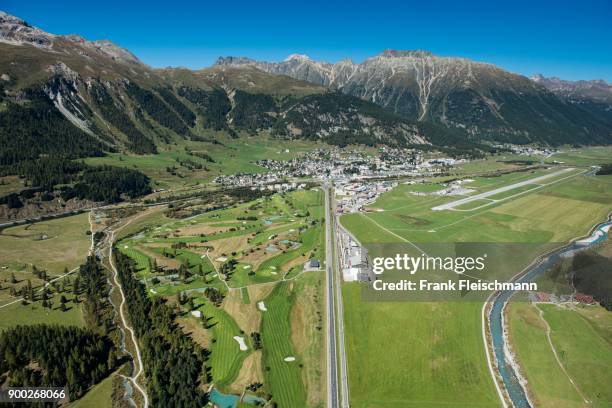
<point x="506" y="367"/>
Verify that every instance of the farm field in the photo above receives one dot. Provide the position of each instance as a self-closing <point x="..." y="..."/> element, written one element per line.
<point x="424" y="354"/>
<point x="585" y="156"/>
<point x="582" y="347"/>
<point x="444" y="334"/>
<point x="35" y="313"/>
<point x="237" y="274"/>
<point x="51" y="246"/>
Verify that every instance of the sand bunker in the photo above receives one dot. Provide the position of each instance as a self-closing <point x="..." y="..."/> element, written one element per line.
<point x="241" y="343"/>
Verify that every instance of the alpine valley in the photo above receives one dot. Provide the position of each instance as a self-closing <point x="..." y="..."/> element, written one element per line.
<point x="410" y="230"/>
<point x="102" y="96"/>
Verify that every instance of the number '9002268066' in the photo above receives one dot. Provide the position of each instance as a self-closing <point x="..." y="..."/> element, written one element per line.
<point x="32" y="394"/>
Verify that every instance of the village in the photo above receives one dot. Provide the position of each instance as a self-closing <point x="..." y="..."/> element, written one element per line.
<point x="527" y="150"/>
<point x="359" y="178"/>
<point x="355" y="171"/>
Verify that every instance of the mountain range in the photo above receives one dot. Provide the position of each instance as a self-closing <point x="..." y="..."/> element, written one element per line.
<point x="480" y="100"/>
<point x="70" y="97"/>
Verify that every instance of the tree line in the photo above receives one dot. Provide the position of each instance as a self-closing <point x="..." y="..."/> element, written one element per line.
<point x="97" y="183"/>
<point x="55" y="356"/>
<point x="174" y="366"/>
<point x="37" y="128"/>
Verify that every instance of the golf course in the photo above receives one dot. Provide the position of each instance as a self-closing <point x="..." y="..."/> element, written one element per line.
<point x="240" y="278"/>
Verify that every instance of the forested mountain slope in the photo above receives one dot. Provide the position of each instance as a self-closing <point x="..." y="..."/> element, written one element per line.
<point x="477" y="99"/>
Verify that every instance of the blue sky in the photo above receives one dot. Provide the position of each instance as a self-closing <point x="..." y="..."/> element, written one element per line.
<point x="572" y="40"/>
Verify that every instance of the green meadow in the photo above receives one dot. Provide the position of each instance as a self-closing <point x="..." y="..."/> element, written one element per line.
<point x="423" y="354"/>
<point x="584" y="156"/>
<point x="34" y="313"/>
<point x="432" y="354"/>
<point x="52" y="246"/>
<point x="581" y="338"/>
<point x="229" y="155"/>
<point x="99" y="396"/>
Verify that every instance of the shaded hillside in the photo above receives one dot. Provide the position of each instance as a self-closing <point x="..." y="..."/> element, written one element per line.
<point x="69" y="97"/>
<point x="479" y="100"/>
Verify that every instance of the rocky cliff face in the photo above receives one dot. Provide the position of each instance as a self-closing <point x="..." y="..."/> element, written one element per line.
<point x="15" y="31"/>
<point x="596" y="90"/>
<point x="482" y="100"/>
<point x="592" y="96"/>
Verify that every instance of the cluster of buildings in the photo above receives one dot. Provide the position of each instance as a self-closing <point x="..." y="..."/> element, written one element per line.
<point x="248" y="180"/>
<point x="342" y="164"/>
<point x="453" y="188"/>
<point x="527" y="150"/>
<point x="354" y="261"/>
<point x="353" y="196"/>
<point x="259" y="181"/>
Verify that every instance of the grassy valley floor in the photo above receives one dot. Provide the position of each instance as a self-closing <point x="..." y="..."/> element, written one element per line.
<point x="581" y="337"/>
<point x="432" y="354"/>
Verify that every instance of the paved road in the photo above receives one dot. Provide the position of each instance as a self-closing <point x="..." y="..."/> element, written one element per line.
<point x="332" y="363"/>
<point x="340" y="321"/>
<point x="535" y="180"/>
<point x="335" y="341"/>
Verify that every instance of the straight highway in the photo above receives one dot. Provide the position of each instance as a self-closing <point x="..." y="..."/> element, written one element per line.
<point x="336" y="356"/>
<point x="332" y="361"/>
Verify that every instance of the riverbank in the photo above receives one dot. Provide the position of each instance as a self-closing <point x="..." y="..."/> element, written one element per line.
<point x="508" y="375"/>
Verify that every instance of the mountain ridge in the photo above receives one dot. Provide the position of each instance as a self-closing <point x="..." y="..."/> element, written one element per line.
<point x="481" y="99"/>
<point x="117" y="103"/>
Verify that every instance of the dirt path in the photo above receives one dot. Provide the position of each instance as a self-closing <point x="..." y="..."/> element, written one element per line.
<point x="552" y="347"/>
<point x="124" y="321"/>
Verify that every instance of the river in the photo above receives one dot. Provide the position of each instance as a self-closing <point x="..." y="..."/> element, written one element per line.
<point x="512" y="380"/>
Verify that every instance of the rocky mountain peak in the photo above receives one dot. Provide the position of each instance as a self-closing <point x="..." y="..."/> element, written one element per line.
<point x="114" y="51"/>
<point x="596" y="89"/>
<point x="298" y="57"/>
<point x="233" y="61"/>
<point x="406" y="53"/>
<point x="16" y="31"/>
